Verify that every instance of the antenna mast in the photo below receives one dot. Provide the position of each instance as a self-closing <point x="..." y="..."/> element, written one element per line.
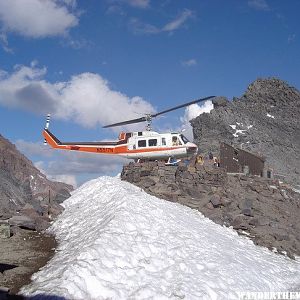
<point x="148" y="118"/>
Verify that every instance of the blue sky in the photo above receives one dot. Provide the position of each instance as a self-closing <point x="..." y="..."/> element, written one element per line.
<point x="92" y="62"/>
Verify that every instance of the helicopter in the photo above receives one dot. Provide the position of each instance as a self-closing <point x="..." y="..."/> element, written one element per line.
<point x="144" y="145"/>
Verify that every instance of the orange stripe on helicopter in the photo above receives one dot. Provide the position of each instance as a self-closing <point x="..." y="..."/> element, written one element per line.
<point x="145" y="150"/>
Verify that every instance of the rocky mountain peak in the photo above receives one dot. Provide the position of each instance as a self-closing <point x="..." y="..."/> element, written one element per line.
<point x="272" y="91"/>
<point x="265" y="121"/>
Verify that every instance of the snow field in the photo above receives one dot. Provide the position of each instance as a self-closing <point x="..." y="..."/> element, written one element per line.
<point x="117" y="242"/>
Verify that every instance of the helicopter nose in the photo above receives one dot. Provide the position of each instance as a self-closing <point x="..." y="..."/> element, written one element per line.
<point x="192" y="148"/>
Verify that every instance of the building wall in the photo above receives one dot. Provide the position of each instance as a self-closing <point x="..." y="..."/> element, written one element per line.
<point x="234" y="160"/>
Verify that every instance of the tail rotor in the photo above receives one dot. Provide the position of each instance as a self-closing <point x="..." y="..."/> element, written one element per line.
<point x="47" y="126"/>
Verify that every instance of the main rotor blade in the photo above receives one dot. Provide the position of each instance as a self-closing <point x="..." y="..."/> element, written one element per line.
<point x="142" y="119"/>
<point x="182" y="105"/>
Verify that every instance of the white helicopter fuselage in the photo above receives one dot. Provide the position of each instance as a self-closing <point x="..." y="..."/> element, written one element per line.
<point x="144" y="145"/>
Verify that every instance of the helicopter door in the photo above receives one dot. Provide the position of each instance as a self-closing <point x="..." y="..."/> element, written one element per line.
<point x="131" y="143"/>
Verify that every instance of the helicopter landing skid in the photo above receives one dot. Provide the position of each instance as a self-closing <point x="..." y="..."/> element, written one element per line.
<point x="172" y="161"/>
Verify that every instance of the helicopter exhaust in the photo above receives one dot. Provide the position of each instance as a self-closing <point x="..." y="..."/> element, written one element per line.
<point x="47" y="126"/>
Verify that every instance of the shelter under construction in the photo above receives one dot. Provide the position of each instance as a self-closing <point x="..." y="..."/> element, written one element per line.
<point x="236" y="160"/>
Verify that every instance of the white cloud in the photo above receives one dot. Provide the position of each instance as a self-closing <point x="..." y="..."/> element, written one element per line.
<point x="179" y="21"/>
<point x="259" y="4"/>
<point x="192" y="112"/>
<point x="116" y="9"/>
<point x="33" y="149"/>
<point x="86" y="99"/>
<point x="4" y="43"/>
<point x="189" y="63"/>
<point x="139" y="27"/>
<point x="116" y="6"/>
<point x="76" y="44"/>
<point x="66" y="178"/>
<point x="37" y="18"/>
<point x="71" y="3"/>
<point x="134" y="3"/>
<point x="138" y="3"/>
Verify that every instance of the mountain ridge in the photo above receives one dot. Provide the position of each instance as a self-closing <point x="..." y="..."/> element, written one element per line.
<point x="21" y="182"/>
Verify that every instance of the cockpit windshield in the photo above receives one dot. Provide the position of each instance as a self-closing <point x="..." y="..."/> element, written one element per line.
<point x="184" y="139"/>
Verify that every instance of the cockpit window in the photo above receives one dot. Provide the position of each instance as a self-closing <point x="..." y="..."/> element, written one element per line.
<point x="184" y="139"/>
<point x="175" y="141"/>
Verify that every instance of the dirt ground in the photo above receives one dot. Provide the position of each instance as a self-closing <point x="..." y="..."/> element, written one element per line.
<point x="22" y="255"/>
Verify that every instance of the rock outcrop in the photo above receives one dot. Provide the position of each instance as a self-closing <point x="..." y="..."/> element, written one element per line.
<point x="263" y="209"/>
<point x="24" y="190"/>
<point x="265" y="120"/>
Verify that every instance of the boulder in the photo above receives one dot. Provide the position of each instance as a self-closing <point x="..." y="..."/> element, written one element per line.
<point x="219" y="102"/>
<point x="209" y="205"/>
<point x="225" y="201"/>
<point x="263" y="221"/>
<point x="193" y="192"/>
<point x="30" y="212"/>
<point x="22" y="221"/>
<point x="42" y="224"/>
<point x="216" y="200"/>
<point x="62" y="195"/>
<point x="5" y="215"/>
<point x="281" y="235"/>
<point x="240" y="222"/>
<point x="246" y="207"/>
<point x="145" y="173"/>
<point x="247" y="212"/>
<point x="147" y="182"/>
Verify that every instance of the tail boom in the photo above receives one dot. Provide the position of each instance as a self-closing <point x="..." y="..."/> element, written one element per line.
<point x="93" y="147"/>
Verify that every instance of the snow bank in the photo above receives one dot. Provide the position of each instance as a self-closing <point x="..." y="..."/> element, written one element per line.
<point x="117" y="242"/>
